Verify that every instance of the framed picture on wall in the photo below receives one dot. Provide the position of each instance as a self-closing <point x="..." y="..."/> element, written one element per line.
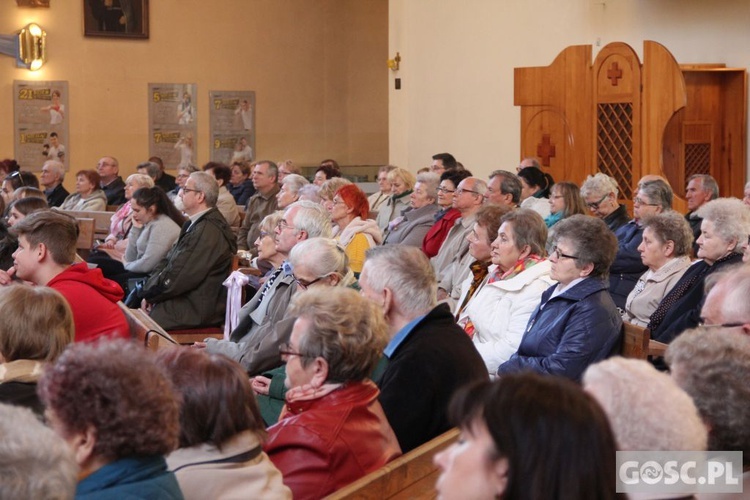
<point x="115" y="18"/>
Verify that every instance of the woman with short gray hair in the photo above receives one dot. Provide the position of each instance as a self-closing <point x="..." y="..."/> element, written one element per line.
<point x="599" y="192"/>
<point x="414" y="223"/>
<point x="724" y="232"/>
<point x="577" y="323"/>
<point x="665" y="250"/>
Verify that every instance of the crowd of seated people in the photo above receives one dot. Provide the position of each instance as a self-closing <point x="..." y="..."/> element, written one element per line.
<point x="465" y="285"/>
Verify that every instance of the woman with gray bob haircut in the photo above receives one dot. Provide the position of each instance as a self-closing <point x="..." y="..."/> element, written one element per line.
<point x="599" y="192"/>
<point x="665" y="250"/>
<point x="577" y="323"/>
<point x="724" y="232"/>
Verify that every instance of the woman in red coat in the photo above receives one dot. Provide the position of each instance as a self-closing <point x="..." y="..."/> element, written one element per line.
<point x="447" y="216"/>
<point x="332" y="430"/>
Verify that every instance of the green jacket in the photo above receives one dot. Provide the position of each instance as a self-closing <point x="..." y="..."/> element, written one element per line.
<point x="186" y="287"/>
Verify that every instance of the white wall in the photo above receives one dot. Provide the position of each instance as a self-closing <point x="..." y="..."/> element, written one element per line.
<point x="458" y="59"/>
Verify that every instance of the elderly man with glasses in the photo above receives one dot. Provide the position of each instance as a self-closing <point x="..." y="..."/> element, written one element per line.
<point x="255" y="341"/>
<point x="186" y="290"/>
<point x="600" y="192"/>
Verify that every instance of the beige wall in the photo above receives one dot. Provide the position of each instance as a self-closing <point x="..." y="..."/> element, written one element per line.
<point x="317" y="67"/>
<point x="458" y="60"/>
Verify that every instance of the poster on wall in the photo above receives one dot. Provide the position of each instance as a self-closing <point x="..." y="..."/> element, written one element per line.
<point x="41" y="117"/>
<point x="172" y="123"/>
<point x="232" y="130"/>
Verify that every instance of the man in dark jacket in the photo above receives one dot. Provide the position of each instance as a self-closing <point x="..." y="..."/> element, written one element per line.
<point x="185" y="290"/>
<point x="428" y="356"/>
<point x="51" y="180"/>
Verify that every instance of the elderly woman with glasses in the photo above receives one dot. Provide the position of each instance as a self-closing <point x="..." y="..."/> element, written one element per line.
<point x="333" y="430"/>
<point x="652" y="197"/>
<point x="599" y="192"/>
<point x="724" y="233"/>
<point x="414" y="223"/>
<point x="665" y="250"/>
<point x="577" y="323"/>
<point x="496" y="316"/>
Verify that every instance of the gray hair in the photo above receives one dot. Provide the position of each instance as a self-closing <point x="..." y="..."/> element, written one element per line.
<point x="140" y="180"/>
<point x="152" y="169"/>
<point x="311" y="218"/>
<point x="712" y="366"/>
<point x="671" y="226"/>
<point x="480" y="186"/>
<point x="735" y="280"/>
<point x="322" y="256"/>
<point x="206" y="184"/>
<point x="593" y="242"/>
<point x="348" y="331"/>
<point x="270" y="221"/>
<point x="57" y="167"/>
<point x="430" y="181"/>
<point x="510" y="184"/>
<point x="406" y="271"/>
<point x="328" y="188"/>
<point x="528" y="229"/>
<point x="658" y="192"/>
<point x="648" y="411"/>
<point x="188" y="168"/>
<point x="708" y="184"/>
<point x="273" y="169"/>
<point x="37" y="463"/>
<point x="310" y="192"/>
<point x="599" y="185"/>
<point x="731" y="219"/>
<point x="294" y="182"/>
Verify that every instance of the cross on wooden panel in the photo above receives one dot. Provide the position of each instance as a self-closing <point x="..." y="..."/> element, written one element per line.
<point x="614" y="73"/>
<point x="545" y="150"/>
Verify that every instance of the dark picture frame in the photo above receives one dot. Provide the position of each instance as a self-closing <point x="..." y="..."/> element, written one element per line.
<point x="115" y="18"/>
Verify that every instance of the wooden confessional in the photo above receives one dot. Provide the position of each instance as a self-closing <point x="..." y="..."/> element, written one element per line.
<point x="629" y="118"/>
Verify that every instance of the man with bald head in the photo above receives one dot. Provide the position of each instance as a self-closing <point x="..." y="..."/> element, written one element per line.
<point x="53" y="173"/>
<point x="111" y="182"/>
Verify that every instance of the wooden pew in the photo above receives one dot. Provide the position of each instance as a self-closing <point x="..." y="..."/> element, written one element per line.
<point x="637" y="343"/>
<point x="146" y="330"/>
<point x="101" y="220"/>
<point x="85" y="236"/>
<point x="411" y="476"/>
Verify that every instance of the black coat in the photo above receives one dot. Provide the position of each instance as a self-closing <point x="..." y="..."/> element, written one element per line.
<point x="686" y="311"/>
<point x="57" y="196"/>
<point x="617" y="219"/>
<point x="423" y="373"/>
<point x="115" y="192"/>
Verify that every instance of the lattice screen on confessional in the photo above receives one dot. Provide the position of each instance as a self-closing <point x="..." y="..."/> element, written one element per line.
<point x="614" y="148"/>
<point x="697" y="159"/>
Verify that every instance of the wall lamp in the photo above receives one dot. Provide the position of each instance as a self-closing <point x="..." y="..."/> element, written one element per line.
<point x="28" y="46"/>
<point x="394" y="63"/>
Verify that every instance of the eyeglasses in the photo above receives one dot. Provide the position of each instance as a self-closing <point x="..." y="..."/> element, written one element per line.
<point x="188" y="190"/>
<point x="595" y="205"/>
<point x="638" y="201"/>
<point x="337" y="201"/>
<point x="556" y="251"/>
<point x="441" y="189"/>
<point x="285" y="349"/>
<point x="307" y="284"/>
<point x="461" y="191"/>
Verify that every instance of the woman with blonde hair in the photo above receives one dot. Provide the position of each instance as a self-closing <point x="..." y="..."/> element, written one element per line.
<point x="30" y="337"/>
<point x="402" y="183"/>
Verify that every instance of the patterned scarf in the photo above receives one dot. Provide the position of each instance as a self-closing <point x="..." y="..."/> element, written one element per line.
<point x="479" y="271"/>
<point x="520" y="266"/>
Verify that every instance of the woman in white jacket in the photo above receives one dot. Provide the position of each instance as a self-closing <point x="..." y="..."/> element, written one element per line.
<point x="496" y="316"/>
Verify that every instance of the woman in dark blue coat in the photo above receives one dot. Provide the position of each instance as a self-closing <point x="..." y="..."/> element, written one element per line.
<point x="577" y="323"/>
